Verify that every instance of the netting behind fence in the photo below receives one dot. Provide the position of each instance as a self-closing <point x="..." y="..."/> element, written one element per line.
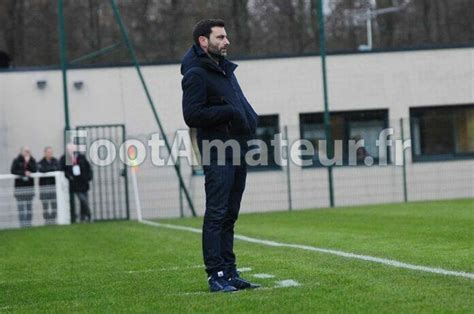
<point x="379" y="172"/>
<point x="394" y="174"/>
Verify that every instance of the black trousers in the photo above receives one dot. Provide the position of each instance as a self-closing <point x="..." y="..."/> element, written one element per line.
<point x="85" y="211"/>
<point x="224" y="186"/>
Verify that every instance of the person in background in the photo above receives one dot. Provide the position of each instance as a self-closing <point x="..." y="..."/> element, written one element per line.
<point x="79" y="173"/>
<point x="24" y="165"/>
<point x="47" y="185"/>
<point x="361" y="153"/>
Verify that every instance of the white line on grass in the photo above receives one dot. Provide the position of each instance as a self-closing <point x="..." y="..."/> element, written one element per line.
<point x="176" y="268"/>
<point x="239" y="291"/>
<point x="384" y="261"/>
<point x="263" y="276"/>
<point x="287" y="283"/>
<point x="150" y="270"/>
<point x="14" y="281"/>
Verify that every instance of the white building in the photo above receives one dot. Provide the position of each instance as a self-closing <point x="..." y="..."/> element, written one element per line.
<point x="367" y="92"/>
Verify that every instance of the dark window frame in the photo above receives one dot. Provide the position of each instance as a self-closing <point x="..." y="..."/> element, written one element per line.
<point x="348" y="116"/>
<point x="416" y="112"/>
<point x="273" y="166"/>
<point x="198" y="170"/>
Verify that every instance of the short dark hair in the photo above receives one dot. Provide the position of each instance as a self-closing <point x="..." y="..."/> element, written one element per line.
<point x="204" y="28"/>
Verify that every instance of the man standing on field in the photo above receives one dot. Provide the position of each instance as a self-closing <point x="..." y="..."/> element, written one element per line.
<point x="214" y="104"/>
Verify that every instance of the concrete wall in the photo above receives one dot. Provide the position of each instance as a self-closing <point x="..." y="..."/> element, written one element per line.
<point x="394" y="81"/>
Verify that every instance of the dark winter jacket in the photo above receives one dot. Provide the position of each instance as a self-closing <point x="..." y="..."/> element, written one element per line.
<point x="213" y="101"/>
<point x="24" y="186"/>
<point x="48" y="166"/>
<point x="77" y="183"/>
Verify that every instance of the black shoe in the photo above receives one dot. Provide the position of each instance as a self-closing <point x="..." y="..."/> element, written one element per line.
<point x="218" y="283"/>
<point x="236" y="281"/>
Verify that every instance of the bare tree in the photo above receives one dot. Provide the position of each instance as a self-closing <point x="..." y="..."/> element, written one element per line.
<point x="161" y="29"/>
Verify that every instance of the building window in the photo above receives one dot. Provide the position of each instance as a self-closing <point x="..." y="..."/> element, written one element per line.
<point x="268" y="127"/>
<point x="441" y="133"/>
<point x="351" y="125"/>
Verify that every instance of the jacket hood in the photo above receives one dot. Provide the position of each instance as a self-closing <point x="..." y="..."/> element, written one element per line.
<point x="196" y="57"/>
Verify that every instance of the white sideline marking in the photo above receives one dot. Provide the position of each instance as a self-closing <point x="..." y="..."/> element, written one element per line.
<point x="162" y="269"/>
<point x="287" y="283"/>
<point x="263" y="276"/>
<point x="3" y="282"/>
<point x="176" y="268"/>
<point x="190" y="293"/>
<point x="384" y="261"/>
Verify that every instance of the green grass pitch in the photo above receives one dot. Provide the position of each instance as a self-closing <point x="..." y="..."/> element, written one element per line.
<point x="132" y="267"/>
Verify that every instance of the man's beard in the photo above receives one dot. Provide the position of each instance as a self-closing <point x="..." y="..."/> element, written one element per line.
<point x="215" y="52"/>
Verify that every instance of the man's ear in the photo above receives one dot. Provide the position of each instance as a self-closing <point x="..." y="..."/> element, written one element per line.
<point x="203" y="41"/>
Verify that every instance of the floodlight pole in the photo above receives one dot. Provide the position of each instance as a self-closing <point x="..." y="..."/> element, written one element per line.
<point x="327" y="121"/>
<point x="370" y="44"/>
<point x="372" y="14"/>
<point x="63" y="59"/>
<point x="131" y="49"/>
<point x="64" y="65"/>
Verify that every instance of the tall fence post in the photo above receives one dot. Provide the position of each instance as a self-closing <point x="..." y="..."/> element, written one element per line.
<point x="288" y="171"/>
<point x="64" y="62"/>
<point x="64" y="65"/>
<point x="405" y="190"/>
<point x="181" y="210"/>
<point x="327" y="121"/>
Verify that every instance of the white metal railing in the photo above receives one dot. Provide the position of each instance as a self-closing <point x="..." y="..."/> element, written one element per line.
<point x="10" y="207"/>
